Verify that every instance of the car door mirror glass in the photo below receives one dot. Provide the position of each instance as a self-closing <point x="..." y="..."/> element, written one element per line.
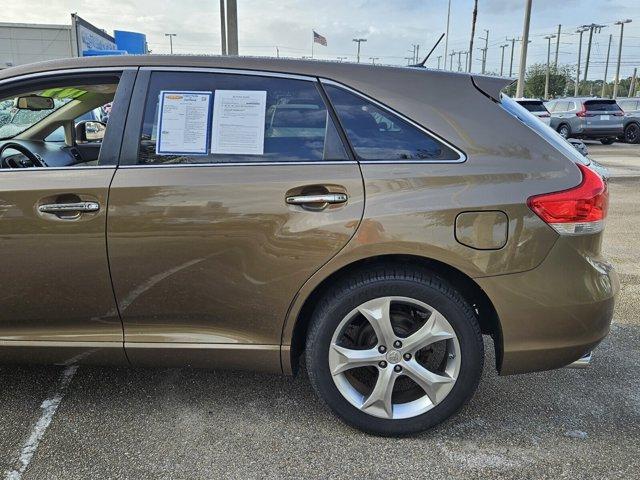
<point x="90" y="131"/>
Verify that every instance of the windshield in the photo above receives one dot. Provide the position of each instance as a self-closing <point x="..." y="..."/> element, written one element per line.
<point x="542" y="129"/>
<point x="601" y="106"/>
<point x="534" y="106"/>
<point x="14" y="121"/>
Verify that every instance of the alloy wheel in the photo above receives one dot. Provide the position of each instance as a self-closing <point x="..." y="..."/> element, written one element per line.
<point x="632" y="133"/>
<point x="394" y="357"/>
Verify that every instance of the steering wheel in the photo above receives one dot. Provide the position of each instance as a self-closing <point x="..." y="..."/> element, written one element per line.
<point x="35" y="159"/>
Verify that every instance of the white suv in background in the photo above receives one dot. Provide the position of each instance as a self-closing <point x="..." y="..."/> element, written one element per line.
<point x="536" y="107"/>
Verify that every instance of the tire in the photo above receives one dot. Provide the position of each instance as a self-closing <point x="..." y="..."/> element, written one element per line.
<point x="632" y="133"/>
<point x="564" y="130"/>
<point x="607" y="141"/>
<point x="404" y="288"/>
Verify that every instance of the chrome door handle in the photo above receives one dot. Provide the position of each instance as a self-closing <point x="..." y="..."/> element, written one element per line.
<point x="69" y="207"/>
<point x="331" y="198"/>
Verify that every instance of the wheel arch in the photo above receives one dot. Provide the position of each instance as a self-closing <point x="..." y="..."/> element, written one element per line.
<point x="482" y="305"/>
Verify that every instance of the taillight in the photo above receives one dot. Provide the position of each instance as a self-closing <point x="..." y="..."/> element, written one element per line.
<point x="576" y="211"/>
<point x="619" y="114"/>
<point x="582" y="113"/>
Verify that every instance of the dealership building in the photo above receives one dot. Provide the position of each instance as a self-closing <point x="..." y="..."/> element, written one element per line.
<point x="22" y="43"/>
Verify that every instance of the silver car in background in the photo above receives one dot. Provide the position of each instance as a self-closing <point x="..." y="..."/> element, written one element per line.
<point x="587" y="118"/>
<point x="631" y="109"/>
<point x="536" y="107"/>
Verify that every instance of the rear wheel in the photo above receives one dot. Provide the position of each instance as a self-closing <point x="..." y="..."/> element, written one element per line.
<point x="607" y="141"/>
<point x="394" y="351"/>
<point x="564" y="130"/>
<point x="632" y="133"/>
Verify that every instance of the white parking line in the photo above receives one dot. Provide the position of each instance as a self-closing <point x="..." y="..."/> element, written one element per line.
<point x="49" y="408"/>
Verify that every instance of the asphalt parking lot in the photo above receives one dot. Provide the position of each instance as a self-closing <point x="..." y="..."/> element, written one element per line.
<point x="178" y="423"/>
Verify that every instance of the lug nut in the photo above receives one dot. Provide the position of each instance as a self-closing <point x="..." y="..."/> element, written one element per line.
<point x="382" y="349"/>
<point x="397" y="344"/>
<point x="397" y="368"/>
<point x="407" y="356"/>
<point x="382" y="364"/>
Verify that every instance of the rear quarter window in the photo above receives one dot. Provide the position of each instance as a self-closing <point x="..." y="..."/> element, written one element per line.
<point x="377" y="134"/>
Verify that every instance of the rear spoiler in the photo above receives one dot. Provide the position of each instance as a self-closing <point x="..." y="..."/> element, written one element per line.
<point x="491" y="86"/>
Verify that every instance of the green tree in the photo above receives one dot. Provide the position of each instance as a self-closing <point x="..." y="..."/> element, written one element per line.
<point x="559" y="80"/>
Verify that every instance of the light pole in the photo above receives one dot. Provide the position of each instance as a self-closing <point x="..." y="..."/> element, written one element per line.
<point x="523" y="50"/>
<point x="577" y="86"/>
<point x="439" y="58"/>
<point x="373" y="60"/>
<point x="170" y="35"/>
<point x="340" y="59"/>
<point x="617" y="80"/>
<point x="606" y="69"/>
<point x="502" y="47"/>
<point x="555" y="63"/>
<point x="546" y="80"/>
<point x="359" y="41"/>
<point x="513" y="47"/>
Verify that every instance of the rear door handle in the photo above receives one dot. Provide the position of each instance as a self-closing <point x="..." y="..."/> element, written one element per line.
<point x="330" y="198"/>
<point x="56" y="208"/>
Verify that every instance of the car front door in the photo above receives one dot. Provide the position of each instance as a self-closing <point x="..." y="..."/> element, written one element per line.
<point x="208" y="250"/>
<point x="57" y="303"/>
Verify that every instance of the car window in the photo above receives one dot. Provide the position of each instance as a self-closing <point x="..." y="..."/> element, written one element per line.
<point x="297" y="125"/>
<point x="571" y="107"/>
<point x="561" y="107"/>
<point x="377" y="134"/>
<point x="534" y="106"/>
<point x="601" y="106"/>
<point x="58" y="134"/>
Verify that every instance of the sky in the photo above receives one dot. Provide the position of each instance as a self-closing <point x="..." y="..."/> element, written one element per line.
<point x="391" y="27"/>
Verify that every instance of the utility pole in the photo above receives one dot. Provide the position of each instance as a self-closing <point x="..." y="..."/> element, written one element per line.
<point x="232" y="27"/>
<point x="577" y="85"/>
<point x="170" y="35"/>
<point x="593" y="27"/>
<point x="523" y="50"/>
<point x="502" y="47"/>
<point x="632" y="85"/>
<point x="616" y="82"/>
<point x="373" y="60"/>
<point x="466" y="58"/>
<point x="277" y="52"/>
<point x="513" y="47"/>
<point x="460" y="61"/>
<point x="340" y="59"/>
<point x="223" y="28"/>
<point x="359" y="41"/>
<point x="409" y="60"/>
<point x="446" y="38"/>
<point x="451" y="55"/>
<point x="546" y="80"/>
<point x="606" y="69"/>
<point x="473" y="33"/>
<point x="417" y="53"/>
<point x="439" y="57"/>
<point x="555" y="63"/>
<point x="484" y="50"/>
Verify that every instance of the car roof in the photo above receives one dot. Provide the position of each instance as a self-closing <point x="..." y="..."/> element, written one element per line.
<point x="282" y="65"/>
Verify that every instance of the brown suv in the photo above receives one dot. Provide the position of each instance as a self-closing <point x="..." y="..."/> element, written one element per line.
<point x="249" y="213"/>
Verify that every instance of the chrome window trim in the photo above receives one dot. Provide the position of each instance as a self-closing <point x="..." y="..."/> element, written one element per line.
<point x="66" y="71"/>
<point x="50" y="169"/>
<point x="239" y="164"/>
<point x="233" y="71"/>
<point x="462" y="155"/>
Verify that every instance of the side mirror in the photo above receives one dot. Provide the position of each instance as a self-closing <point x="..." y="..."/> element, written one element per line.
<point x="90" y="131"/>
<point x="34" y="103"/>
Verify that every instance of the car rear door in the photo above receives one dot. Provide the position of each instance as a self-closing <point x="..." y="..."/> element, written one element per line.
<point x="57" y="303"/>
<point x="208" y="250"/>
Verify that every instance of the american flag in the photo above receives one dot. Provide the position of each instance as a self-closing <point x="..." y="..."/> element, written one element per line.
<point x="317" y="38"/>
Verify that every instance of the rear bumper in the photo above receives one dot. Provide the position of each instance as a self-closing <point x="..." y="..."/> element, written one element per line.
<point x="599" y="132"/>
<point x="552" y="315"/>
